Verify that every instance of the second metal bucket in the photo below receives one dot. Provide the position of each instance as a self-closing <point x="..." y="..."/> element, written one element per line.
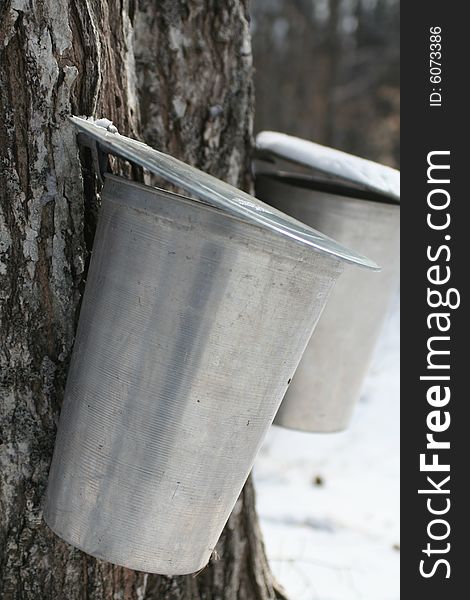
<point x="356" y="202"/>
<point x="194" y="319"/>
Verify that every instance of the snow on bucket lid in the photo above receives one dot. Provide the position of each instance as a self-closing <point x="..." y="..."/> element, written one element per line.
<point x="215" y="192"/>
<point x="339" y="167"/>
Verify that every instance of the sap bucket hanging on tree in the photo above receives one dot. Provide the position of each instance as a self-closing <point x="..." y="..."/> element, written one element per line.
<point x="194" y="318"/>
<point x="356" y="202"/>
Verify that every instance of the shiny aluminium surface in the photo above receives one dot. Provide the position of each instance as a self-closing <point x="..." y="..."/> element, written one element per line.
<point x="328" y="380"/>
<point x="191" y="327"/>
<point x="214" y="191"/>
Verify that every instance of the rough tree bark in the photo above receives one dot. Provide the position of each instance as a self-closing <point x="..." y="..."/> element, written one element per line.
<point x="177" y="74"/>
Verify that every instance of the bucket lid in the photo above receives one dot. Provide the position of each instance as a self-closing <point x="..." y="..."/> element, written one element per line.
<point x="281" y="154"/>
<point x="212" y="190"/>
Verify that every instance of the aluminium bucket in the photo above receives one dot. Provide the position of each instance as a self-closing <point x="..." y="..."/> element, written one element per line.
<point x="194" y="318"/>
<point x="356" y="202"/>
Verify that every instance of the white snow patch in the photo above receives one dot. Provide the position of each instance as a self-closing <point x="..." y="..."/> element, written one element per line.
<point x="338" y="540"/>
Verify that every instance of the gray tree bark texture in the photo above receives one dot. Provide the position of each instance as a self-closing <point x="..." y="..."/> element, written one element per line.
<point x="177" y="74"/>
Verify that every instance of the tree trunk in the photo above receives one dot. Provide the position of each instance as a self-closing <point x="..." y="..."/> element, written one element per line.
<point x="177" y="74"/>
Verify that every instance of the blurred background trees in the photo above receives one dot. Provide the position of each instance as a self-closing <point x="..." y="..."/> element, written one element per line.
<point x="328" y="71"/>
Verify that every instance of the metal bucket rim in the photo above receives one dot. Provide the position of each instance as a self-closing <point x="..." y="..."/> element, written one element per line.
<point x="274" y="147"/>
<point x="292" y="247"/>
<point x="216" y="191"/>
<point x="309" y="183"/>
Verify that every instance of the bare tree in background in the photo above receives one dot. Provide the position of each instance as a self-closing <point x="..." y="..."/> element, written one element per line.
<point x="328" y="70"/>
<point x="177" y="74"/>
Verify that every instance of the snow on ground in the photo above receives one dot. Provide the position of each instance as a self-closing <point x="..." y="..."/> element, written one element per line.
<point x="329" y="503"/>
